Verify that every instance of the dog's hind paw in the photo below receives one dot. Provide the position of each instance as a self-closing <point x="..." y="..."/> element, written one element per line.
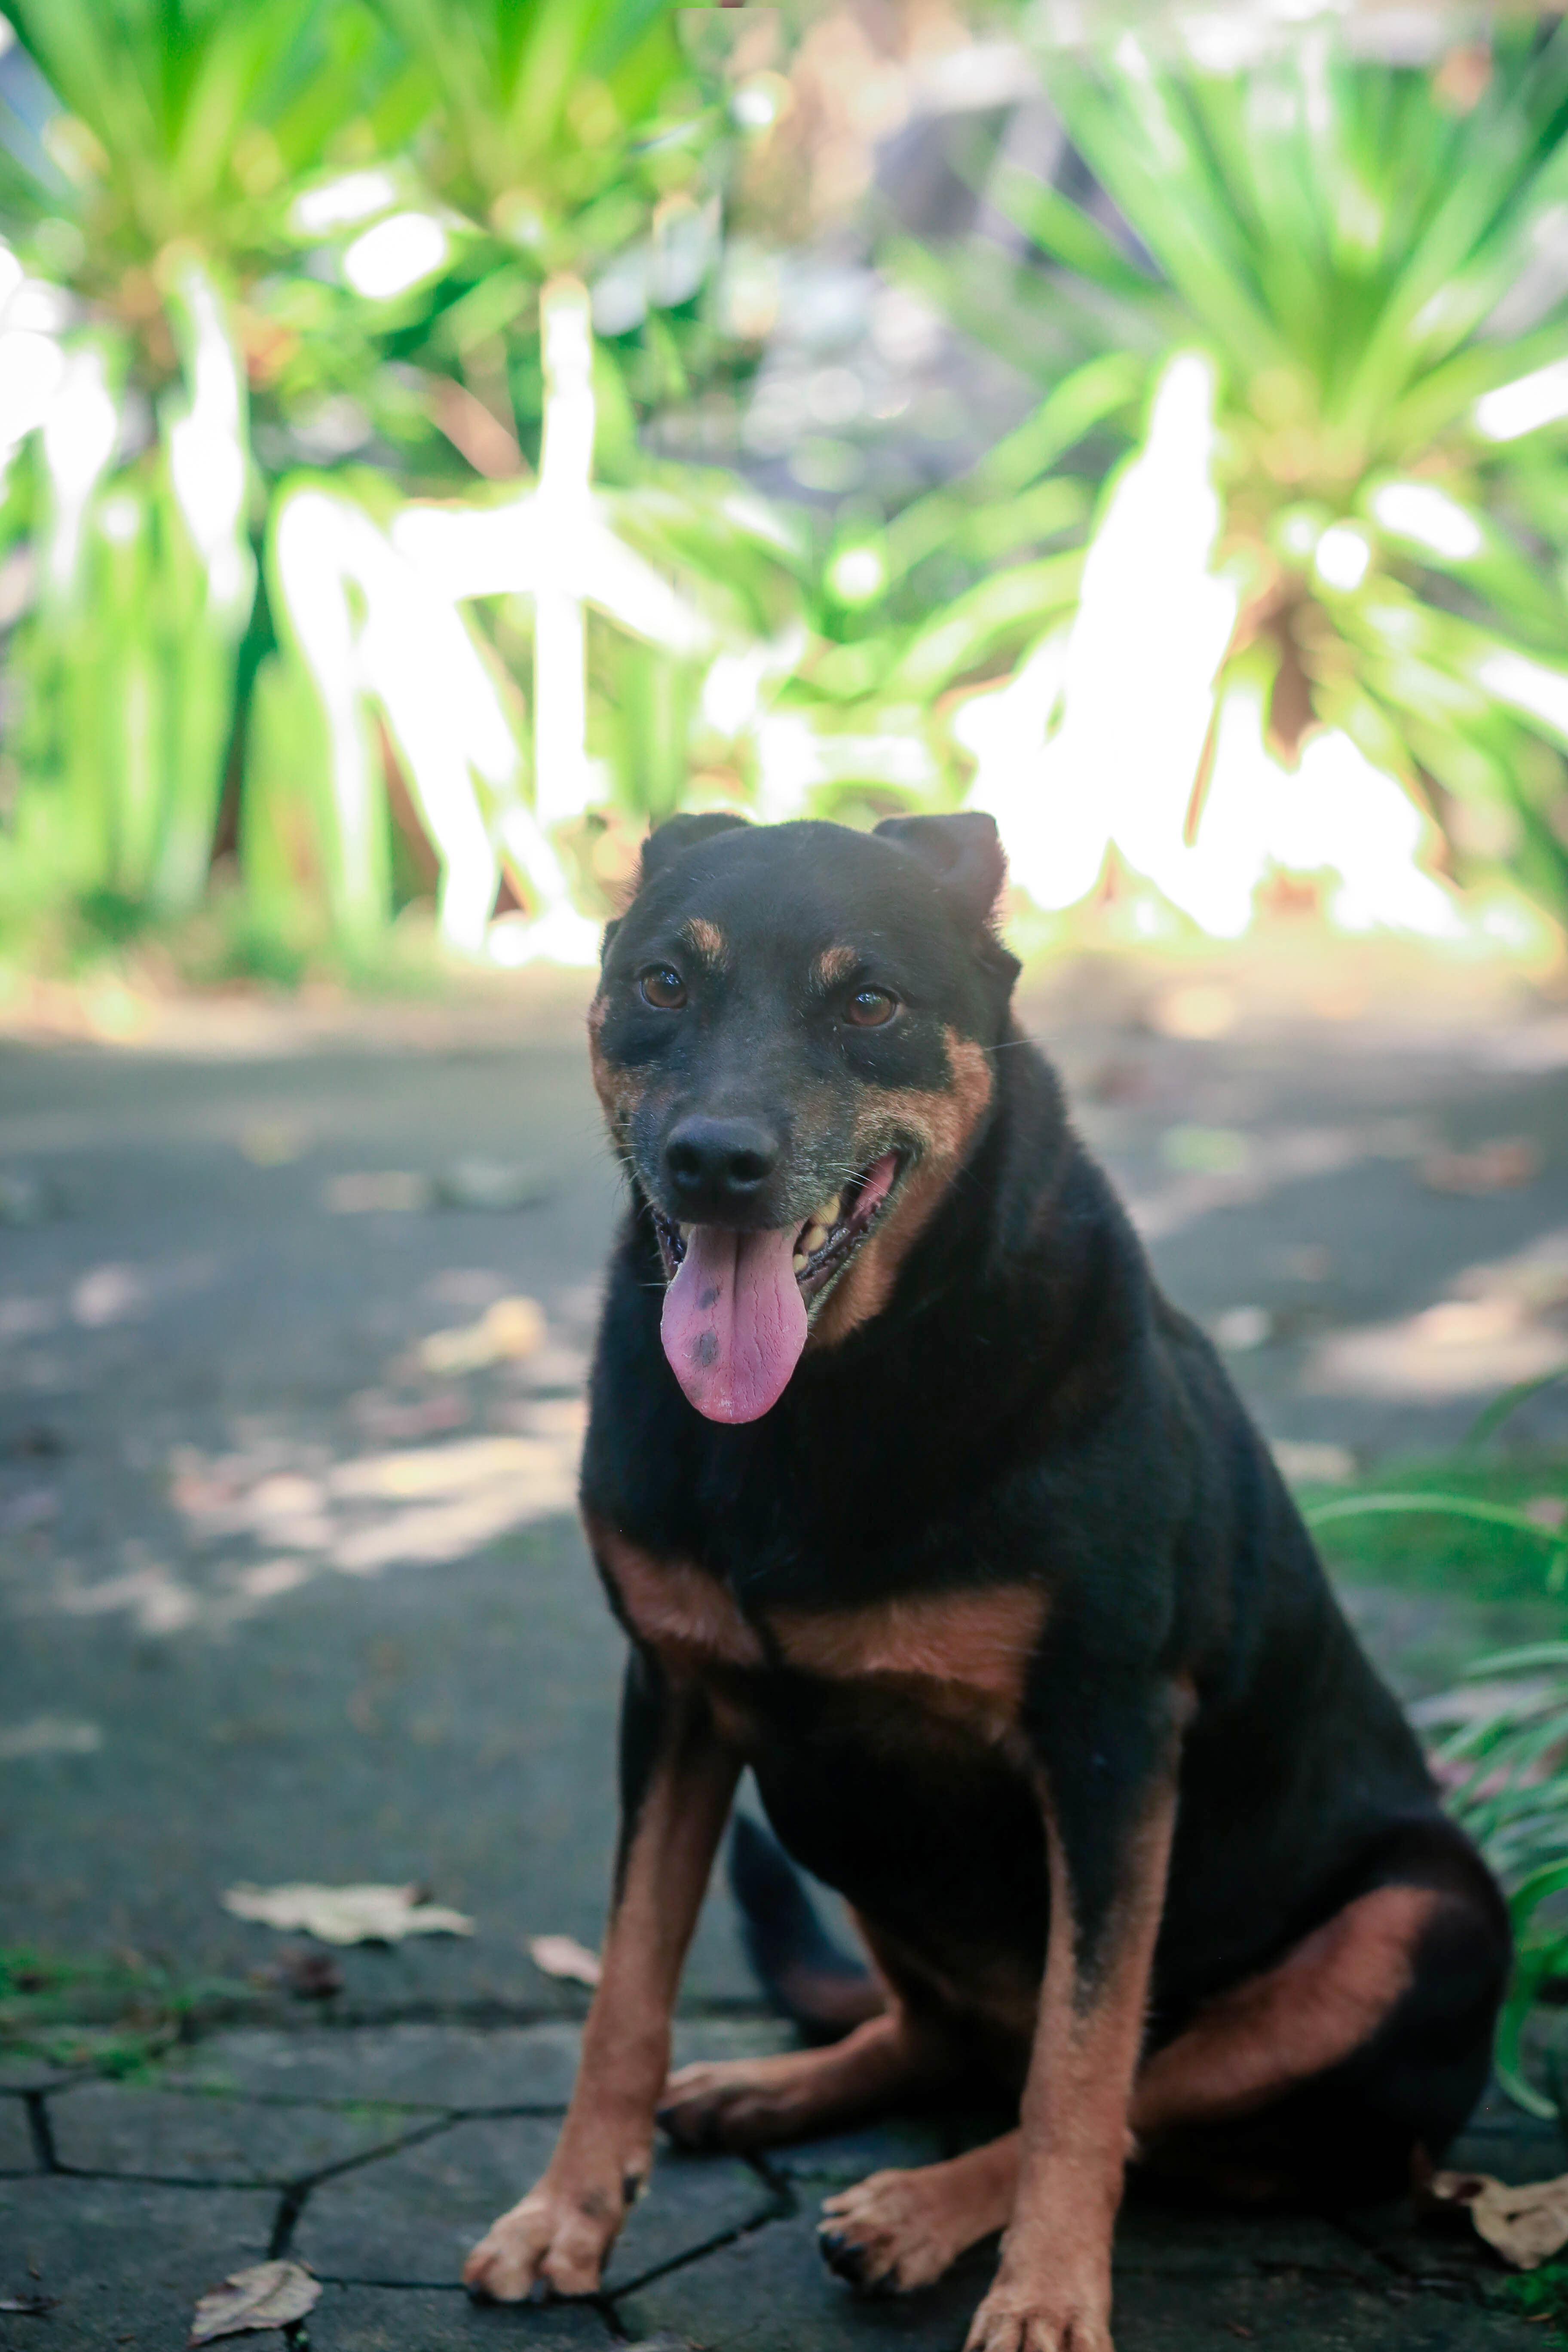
<point x="886" y="2235"/>
<point x="744" y="2102"/>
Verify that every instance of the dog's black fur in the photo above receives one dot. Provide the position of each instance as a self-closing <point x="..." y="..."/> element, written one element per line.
<point x="1024" y="1410"/>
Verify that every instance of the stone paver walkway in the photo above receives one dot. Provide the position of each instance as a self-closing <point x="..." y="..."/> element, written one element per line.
<point x="290" y="1589"/>
<point x="376" y="2155"/>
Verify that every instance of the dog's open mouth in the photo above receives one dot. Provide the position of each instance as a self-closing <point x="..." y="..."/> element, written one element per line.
<point x="737" y="1309"/>
<point x="828" y="1238"/>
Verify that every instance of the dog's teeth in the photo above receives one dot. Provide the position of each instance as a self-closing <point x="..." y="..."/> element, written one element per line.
<point x="830" y="1212"/>
<point x="812" y="1238"/>
<point x="685" y="1232"/>
<point x="799" y="1263"/>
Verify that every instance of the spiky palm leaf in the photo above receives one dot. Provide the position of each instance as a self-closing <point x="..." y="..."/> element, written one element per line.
<point x="179" y="136"/>
<point x="1501" y="1757"/>
<point x="1340" y="237"/>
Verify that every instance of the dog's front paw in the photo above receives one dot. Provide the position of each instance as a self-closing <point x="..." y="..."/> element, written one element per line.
<point x="553" y="2243"/>
<point x="1046" y="2315"/>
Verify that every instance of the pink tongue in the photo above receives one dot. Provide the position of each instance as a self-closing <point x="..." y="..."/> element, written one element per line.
<point x="734" y="1321"/>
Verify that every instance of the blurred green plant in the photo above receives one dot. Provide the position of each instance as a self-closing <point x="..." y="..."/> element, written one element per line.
<point x="959" y="581"/>
<point x="1506" y="1772"/>
<point x="322" y="231"/>
<point x="1364" y="253"/>
<point x="115" y="2017"/>
<point x="1501" y="1757"/>
<point x="155" y="197"/>
<point x="567" y="137"/>
<point x="320" y="236"/>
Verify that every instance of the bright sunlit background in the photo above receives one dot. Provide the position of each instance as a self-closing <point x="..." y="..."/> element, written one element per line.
<point x="437" y="442"/>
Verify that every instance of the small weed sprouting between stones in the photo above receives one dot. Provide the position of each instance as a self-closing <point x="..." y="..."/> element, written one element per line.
<point x="1542" y="2295"/>
<point x="117" y="2017"/>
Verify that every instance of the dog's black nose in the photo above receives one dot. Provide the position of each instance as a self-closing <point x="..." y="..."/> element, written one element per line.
<point x="718" y="1163"/>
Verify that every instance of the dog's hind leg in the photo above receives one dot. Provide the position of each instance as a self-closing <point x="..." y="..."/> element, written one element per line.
<point x="758" y="2102"/>
<point x="806" y="1974"/>
<point x="1324" y="2076"/>
<point x="900" y="2046"/>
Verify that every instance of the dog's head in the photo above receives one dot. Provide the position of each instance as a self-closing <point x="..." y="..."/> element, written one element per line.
<point x="792" y="1043"/>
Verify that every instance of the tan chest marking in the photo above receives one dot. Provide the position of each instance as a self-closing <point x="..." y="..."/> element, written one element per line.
<point x="674" y="1607"/>
<point x="969" y="1651"/>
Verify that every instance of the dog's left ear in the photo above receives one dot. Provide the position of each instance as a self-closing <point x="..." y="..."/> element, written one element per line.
<point x="678" y="834"/>
<point x="963" y="852"/>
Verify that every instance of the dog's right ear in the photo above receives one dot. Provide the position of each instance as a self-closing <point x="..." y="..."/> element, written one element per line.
<point x="677" y="834"/>
<point x="963" y="852"/>
<point x="611" y="928"/>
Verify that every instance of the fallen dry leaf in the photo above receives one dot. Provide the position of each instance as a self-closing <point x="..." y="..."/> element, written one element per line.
<point x="563" y="1955"/>
<point x="1526" y="2224"/>
<point x="268" y="2294"/>
<point x="504" y="1334"/>
<point x="1495" y="1167"/>
<point x="347" y="1915"/>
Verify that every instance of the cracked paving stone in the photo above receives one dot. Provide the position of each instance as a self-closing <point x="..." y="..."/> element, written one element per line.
<point x="1447" y="2253"/>
<point x="172" y="2136"/>
<point x="771" y="2292"/>
<point x="16" y="2151"/>
<point x="21" y="2072"/>
<point x="825" y="2165"/>
<point x="714" y="2038"/>
<point x="1169" y="2239"/>
<point x="1285" y="2312"/>
<point x="414" y="2065"/>
<point x="1498" y="2139"/>
<point x="412" y="2217"/>
<point x="430" y="2319"/>
<point x="123" y="2261"/>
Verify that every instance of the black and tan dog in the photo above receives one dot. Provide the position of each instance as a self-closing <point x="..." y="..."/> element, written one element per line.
<point x="913" y="1493"/>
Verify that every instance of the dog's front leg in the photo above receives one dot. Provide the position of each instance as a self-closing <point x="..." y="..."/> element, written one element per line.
<point x="676" y="1780"/>
<point x="1108" y="1796"/>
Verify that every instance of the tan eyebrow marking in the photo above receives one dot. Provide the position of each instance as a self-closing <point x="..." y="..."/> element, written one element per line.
<point x="704" y="939"/>
<point x="834" y="964"/>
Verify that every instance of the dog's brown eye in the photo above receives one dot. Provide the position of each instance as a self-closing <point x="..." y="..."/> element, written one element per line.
<point x="662" y="987"/>
<point x="868" y="1008"/>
